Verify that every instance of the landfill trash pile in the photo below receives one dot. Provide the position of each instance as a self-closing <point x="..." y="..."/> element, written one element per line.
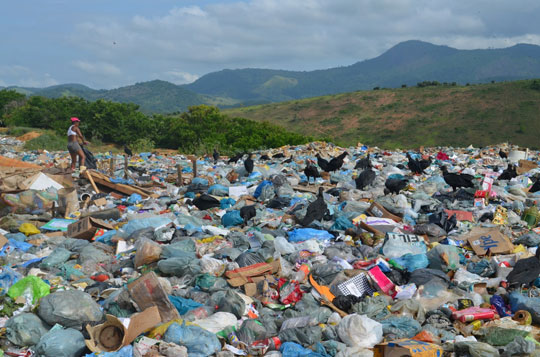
<point x="313" y="250"/>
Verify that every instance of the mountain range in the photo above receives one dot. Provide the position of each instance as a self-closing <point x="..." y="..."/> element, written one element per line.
<point x="407" y="63"/>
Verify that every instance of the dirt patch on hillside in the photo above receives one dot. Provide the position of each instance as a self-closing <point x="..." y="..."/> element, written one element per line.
<point x="29" y="136"/>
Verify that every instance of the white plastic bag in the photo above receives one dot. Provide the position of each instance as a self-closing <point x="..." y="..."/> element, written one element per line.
<point x="217" y="321"/>
<point x="283" y="246"/>
<point x="360" y="331"/>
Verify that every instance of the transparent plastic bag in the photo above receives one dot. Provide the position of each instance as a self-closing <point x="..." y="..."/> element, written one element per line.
<point x="360" y="331"/>
<point x="61" y="343"/>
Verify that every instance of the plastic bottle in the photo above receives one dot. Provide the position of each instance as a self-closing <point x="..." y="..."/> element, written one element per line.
<point x="260" y="347"/>
<point x="531" y="215"/>
<point x="302" y="273"/>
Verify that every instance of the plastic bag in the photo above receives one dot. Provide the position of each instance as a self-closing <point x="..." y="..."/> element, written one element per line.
<point x="232" y="218"/>
<point x="251" y="331"/>
<point x="25" y="329"/>
<point x="400" y="327"/>
<point x="249" y="258"/>
<point x="397" y="245"/>
<point x="218" y="190"/>
<point x="28" y="229"/>
<point x="61" y="343"/>
<point x="56" y="258"/>
<point x="303" y="234"/>
<point x="155" y="222"/>
<point x="519" y="346"/>
<point x="441" y="219"/>
<point x="475" y="349"/>
<point x="199" y="342"/>
<point x="217" y="322"/>
<point x="148" y="252"/>
<point x="30" y="286"/>
<point x="283" y="246"/>
<point x="8" y="277"/>
<point x="411" y="262"/>
<point x="291" y="349"/>
<point x="212" y="266"/>
<point x="70" y="308"/>
<point x="444" y="257"/>
<point x="91" y="253"/>
<point x="180" y="266"/>
<point x="229" y="301"/>
<point x="360" y="331"/>
<point x="305" y="336"/>
<point x="179" y="249"/>
<point x="183" y="305"/>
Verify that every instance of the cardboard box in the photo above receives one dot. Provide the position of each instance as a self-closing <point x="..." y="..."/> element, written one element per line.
<point x="407" y="347"/>
<point x="112" y="335"/>
<point x="245" y="275"/>
<point x="147" y="292"/>
<point x="3" y="240"/>
<point x="525" y="166"/>
<point x="100" y="202"/>
<point x="484" y="239"/>
<point x="86" y="228"/>
<point x="377" y="210"/>
<point x="460" y="215"/>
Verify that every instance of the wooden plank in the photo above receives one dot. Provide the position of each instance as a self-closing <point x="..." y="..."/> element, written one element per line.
<point x="92" y="181"/>
<point x="125" y="189"/>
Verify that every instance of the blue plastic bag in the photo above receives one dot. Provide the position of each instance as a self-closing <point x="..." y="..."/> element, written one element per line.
<point x="226" y="203"/>
<point x="232" y="218"/>
<point x="218" y="190"/>
<point x="303" y="234"/>
<point x="259" y="188"/>
<point x="342" y="223"/>
<point x="183" y="305"/>
<point x="126" y="351"/>
<point x="8" y="277"/>
<point x="199" y="181"/>
<point x="136" y="224"/>
<point x="411" y="262"/>
<point x="292" y="349"/>
<point x="401" y="327"/>
<point x="198" y="341"/>
<point x="134" y="198"/>
<point x="520" y="302"/>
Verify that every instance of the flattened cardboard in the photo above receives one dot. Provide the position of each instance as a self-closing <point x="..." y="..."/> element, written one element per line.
<point x="460" y="215"/>
<point x="3" y="240"/>
<point x="100" y="202"/>
<point x="377" y="210"/>
<point x="407" y="347"/>
<point x="525" y="166"/>
<point x="112" y="335"/>
<point x="484" y="239"/>
<point x="242" y="276"/>
<point x="147" y="292"/>
<point x="86" y="228"/>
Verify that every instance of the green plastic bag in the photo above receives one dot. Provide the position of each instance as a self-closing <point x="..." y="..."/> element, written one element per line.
<point x="31" y="283"/>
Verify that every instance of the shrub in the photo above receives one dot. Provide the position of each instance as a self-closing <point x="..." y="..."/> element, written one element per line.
<point x="47" y="141"/>
<point x="142" y="145"/>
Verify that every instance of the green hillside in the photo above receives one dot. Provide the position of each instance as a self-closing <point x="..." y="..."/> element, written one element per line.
<point x="410" y="117"/>
<point x="407" y="63"/>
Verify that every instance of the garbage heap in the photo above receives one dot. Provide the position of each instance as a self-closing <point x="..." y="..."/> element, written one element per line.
<point x="313" y="250"/>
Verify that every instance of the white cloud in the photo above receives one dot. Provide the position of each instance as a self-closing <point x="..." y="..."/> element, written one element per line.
<point x="179" y="77"/>
<point x="24" y="77"/>
<point x="99" y="68"/>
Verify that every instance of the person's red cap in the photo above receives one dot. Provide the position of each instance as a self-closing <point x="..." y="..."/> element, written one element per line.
<point x="74" y="119"/>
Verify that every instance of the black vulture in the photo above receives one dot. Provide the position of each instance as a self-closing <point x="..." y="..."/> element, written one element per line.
<point x="457" y="180"/>
<point x="365" y="178"/>
<point x="247" y="213"/>
<point x="323" y="163"/>
<point x="311" y="171"/>
<point x="289" y="160"/>
<point x="414" y="165"/>
<point x="502" y="154"/>
<point x="424" y="164"/>
<point x="235" y="158"/>
<point x="525" y="271"/>
<point x="204" y="202"/>
<point x="128" y="151"/>
<point x="394" y="185"/>
<point x="215" y="155"/>
<point x="363" y="164"/>
<point x="248" y="164"/>
<point x="316" y="209"/>
<point x="279" y="155"/>
<point x="508" y="174"/>
<point x="336" y="162"/>
<point x="264" y="157"/>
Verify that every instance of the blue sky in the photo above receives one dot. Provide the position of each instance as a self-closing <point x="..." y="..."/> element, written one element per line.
<point x="111" y="43"/>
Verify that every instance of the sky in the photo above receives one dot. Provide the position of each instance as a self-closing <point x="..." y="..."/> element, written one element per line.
<point x="111" y="43"/>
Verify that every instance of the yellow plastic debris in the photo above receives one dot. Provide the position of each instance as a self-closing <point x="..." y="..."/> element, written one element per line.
<point x="28" y="229"/>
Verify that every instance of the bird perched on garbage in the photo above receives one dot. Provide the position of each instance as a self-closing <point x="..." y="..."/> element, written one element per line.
<point x="215" y="155"/>
<point x="425" y="163"/>
<point x="247" y="213"/>
<point x="536" y="186"/>
<point x="363" y="163"/>
<point x="248" y="164"/>
<point x="508" y="174"/>
<point x="502" y="154"/>
<point x="394" y="185"/>
<point x="128" y="151"/>
<point x="279" y="155"/>
<point x="316" y="209"/>
<point x="235" y="158"/>
<point x="264" y="157"/>
<point x="365" y="178"/>
<point x="525" y="271"/>
<point x="289" y="160"/>
<point x="457" y="180"/>
<point x="323" y="163"/>
<point x="311" y="171"/>
<point x="414" y="165"/>
<point x="336" y="162"/>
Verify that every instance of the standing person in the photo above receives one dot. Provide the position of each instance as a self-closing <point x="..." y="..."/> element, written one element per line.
<point x="74" y="133"/>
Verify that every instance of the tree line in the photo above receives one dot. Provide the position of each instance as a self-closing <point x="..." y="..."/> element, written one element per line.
<point x="198" y="130"/>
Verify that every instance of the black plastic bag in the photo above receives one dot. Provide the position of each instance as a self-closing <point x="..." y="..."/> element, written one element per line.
<point x="90" y="162"/>
<point x="441" y="219"/>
